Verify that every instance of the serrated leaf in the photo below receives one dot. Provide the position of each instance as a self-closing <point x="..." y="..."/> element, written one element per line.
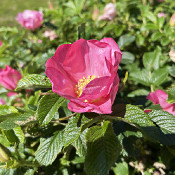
<point x="19" y="133"/>
<point x="103" y="149"/>
<point x="164" y="120"/>
<point x="49" y="149"/>
<point x="15" y="120"/>
<point x="72" y="130"/>
<point x="121" y="168"/>
<point x="135" y="115"/>
<point x="5" y="110"/>
<point x="47" y="107"/>
<point x="80" y="144"/>
<point x="33" y="81"/>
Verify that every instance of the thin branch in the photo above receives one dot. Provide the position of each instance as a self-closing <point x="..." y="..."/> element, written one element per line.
<point x="66" y="118"/>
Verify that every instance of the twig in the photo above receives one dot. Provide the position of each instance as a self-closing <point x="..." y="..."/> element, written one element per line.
<point x="66" y="118"/>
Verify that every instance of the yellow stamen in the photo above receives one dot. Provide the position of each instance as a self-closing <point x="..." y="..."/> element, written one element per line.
<point x="83" y="82"/>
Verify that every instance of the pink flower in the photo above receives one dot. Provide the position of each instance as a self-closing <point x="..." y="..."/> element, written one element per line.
<point x="172" y="20"/>
<point x="2" y="102"/>
<point x="160" y="97"/>
<point x="161" y="14"/>
<point x="85" y="73"/>
<point x="160" y="0"/>
<point x="0" y="43"/>
<point x="109" y="12"/>
<point x="9" y="78"/>
<point x="50" y="34"/>
<point x="30" y="19"/>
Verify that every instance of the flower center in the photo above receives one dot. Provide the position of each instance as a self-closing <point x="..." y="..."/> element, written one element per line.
<point x="81" y="83"/>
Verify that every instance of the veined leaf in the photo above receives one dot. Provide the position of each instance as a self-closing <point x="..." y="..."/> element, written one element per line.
<point x="47" y="107"/>
<point x="103" y="149"/>
<point x="33" y="81"/>
<point x="49" y="149"/>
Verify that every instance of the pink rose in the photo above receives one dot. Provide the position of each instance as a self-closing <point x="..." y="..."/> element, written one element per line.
<point x="160" y="97"/>
<point x="109" y="12"/>
<point x="9" y="78"/>
<point x="85" y="73"/>
<point x="161" y="14"/>
<point x="172" y="20"/>
<point x="30" y="19"/>
<point x="2" y="102"/>
<point x="0" y="43"/>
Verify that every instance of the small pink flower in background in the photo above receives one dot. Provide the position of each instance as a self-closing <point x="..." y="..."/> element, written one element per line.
<point x="172" y="55"/>
<point x="172" y="20"/>
<point x="160" y="0"/>
<point x="9" y="78"/>
<point x="30" y="19"/>
<point x="160" y="97"/>
<point x="2" y="102"/>
<point x="50" y="34"/>
<point x="85" y="73"/>
<point x="109" y="12"/>
<point x="0" y="43"/>
<point x="161" y="14"/>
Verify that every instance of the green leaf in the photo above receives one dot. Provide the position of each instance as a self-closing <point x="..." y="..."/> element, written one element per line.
<point x="149" y="26"/>
<point x="135" y="115"/>
<point x="73" y="129"/>
<point x="47" y="107"/>
<point x="121" y="168"/>
<point x="15" y="120"/>
<point x="49" y="149"/>
<point x="165" y="41"/>
<point x="142" y="77"/>
<point x="33" y="100"/>
<point x="151" y="17"/>
<point x="172" y="71"/>
<point x="80" y="144"/>
<point x="159" y="76"/>
<point x="5" y="110"/>
<point x="33" y="81"/>
<point x="156" y="36"/>
<point x="165" y="130"/>
<point x="139" y="92"/>
<point x="127" y="58"/>
<point x="19" y="133"/>
<point x="171" y="95"/>
<point x="151" y="59"/>
<point x="103" y="149"/>
<point x="125" y="40"/>
<point x="10" y="135"/>
<point x="164" y="120"/>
